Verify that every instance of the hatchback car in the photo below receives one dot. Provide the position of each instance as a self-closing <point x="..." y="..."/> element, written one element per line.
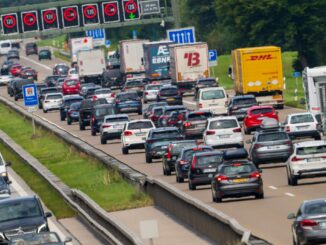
<point x="158" y="140"/>
<point x="240" y="104"/>
<point x="28" y="73"/>
<point x="150" y="92"/>
<point x="237" y="179"/>
<point x="70" y="86"/>
<point x="135" y="133"/>
<point x="105" y="93"/>
<point x="223" y="132"/>
<point x="309" y="225"/>
<point x="184" y="159"/>
<point x="148" y="111"/>
<point x="60" y="69"/>
<point x="73" y="74"/>
<point x="255" y="116"/>
<point x="97" y="116"/>
<point x="73" y="113"/>
<point x="203" y="167"/>
<point x="128" y="102"/>
<point x="66" y="102"/>
<point x="31" y="48"/>
<point x="85" y="111"/>
<point x="307" y="161"/>
<point x="301" y="125"/>
<point x="192" y="124"/>
<point x="52" y="101"/>
<point x="45" y="54"/>
<point x="112" y="127"/>
<point x="15" y="69"/>
<point x="134" y="85"/>
<point x="205" y="83"/>
<point x="43" y="92"/>
<point x="170" y="94"/>
<point x="13" y="54"/>
<point x="173" y="151"/>
<point x="52" y="81"/>
<point x="156" y="113"/>
<point x="167" y="112"/>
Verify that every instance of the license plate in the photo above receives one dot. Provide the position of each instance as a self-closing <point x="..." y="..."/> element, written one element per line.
<point x="240" y="180"/>
<point x="117" y="126"/>
<point x="314" y="159"/>
<point x="139" y="134"/>
<point x="170" y="99"/>
<point x="143" y="138"/>
<point x="224" y="136"/>
<point x="302" y="127"/>
<point x="273" y="147"/>
<point x="209" y="170"/>
<point x="213" y="104"/>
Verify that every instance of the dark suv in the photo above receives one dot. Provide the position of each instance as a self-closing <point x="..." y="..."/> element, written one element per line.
<point x="22" y="214"/>
<point x="31" y="48"/>
<point x="98" y="113"/>
<point x="18" y="88"/>
<point x="170" y="94"/>
<point x="67" y="101"/>
<point x="85" y="111"/>
<point x="239" y="105"/>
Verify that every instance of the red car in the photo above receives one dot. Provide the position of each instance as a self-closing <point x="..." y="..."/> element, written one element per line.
<point x="28" y="73"/>
<point x="255" y="116"/>
<point x="15" y="69"/>
<point x="70" y="86"/>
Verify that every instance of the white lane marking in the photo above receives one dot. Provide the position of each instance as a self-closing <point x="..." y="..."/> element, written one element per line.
<point x="189" y="102"/>
<point x="37" y="63"/>
<point x="272" y="187"/>
<point x="289" y="194"/>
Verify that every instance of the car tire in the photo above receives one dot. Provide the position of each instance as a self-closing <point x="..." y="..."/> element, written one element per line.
<point x="62" y="118"/>
<point x="246" y="131"/>
<point x="16" y="98"/>
<point x="292" y="180"/>
<point x="145" y="101"/>
<point x="68" y="121"/>
<point x="45" y="111"/>
<point x="191" y="186"/>
<point x="103" y="141"/>
<point x="168" y="172"/>
<point x="148" y="159"/>
<point x="39" y="106"/>
<point x="215" y="198"/>
<point x="178" y="178"/>
<point x="318" y="137"/>
<point x="81" y="126"/>
<point x="93" y="132"/>
<point x="125" y="150"/>
<point x="260" y="195"/>
<point x="140" y="112"/>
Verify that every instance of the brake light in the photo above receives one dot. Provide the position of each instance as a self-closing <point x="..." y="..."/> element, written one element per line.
<point x="296" y="159"/>
<point x="237" y="130"/>
<point x="154" y="118"/>
<point x="220" y="178"/>
<point x="129" y="76"/>
<point x="146" y="93"/>
<point x="117" y="101"/>
<point x="258" y="146"/>
<point x="255" y="175"/>
<point x="200" y="105"/>
<point x="193" y="164"/>
<point x="150" y="141"/>
<point x="112" y="95"/>
<point x="168" y="155"/>
<point x="308" y="223"/>
<point x="127" y="133"/>
<point x="187" y="124"/>
<point x="210" y="132"/>
<point x="94" y="97"/>
<point x="93" y="119"/>
<point x="106" y="126"/>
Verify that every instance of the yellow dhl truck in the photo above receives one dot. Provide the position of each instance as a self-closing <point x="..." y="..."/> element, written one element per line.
<point x="259" y="71"/>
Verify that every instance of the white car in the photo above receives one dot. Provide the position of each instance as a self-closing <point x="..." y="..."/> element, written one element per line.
<point x="300" y="125"/>
<point x="3" y="168"/>
<point x="112" y="127"/>
<point x="214" y="99"/>
<point x="73" y="74"/>
<point x="307" y="161"/>
<point x="223" y="132"/>
<point x="52" y="101"/>
<point x="5" y="79"/>
<point x="135" y="133"/>
<point x="105" y="93"/>
<point x="150" y="92"/>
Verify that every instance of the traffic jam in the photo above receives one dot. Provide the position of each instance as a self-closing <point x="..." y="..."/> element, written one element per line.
<point x="159" y="100"/>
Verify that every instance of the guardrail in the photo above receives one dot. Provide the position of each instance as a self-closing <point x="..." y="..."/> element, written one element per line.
<point x="216" y="225"/>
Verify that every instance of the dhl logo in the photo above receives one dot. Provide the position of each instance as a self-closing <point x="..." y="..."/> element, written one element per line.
<point x="261" y="57"/>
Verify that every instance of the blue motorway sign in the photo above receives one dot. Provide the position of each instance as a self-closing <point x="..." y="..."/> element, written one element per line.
<point x="183" y="35"/>
<point x="296" y="74"/>
<point x="98" y="36"/>
<point x="30" y="95"/>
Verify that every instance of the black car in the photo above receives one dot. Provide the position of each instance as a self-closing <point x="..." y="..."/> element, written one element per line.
<point x="31" y="48"/>
<point x="10" y="86"/>
<point x="52" y="81"/>
<point x="237" y="178"/>
<point x="6" y="66"/>
<point x="22" y="215"/>
<point x="98" y="113"/>
<point x="18" y="87"/>
<point x="84" y="87"/>
<point x="13" y="54"/>
<point x="205" y="83"/>
<point x="193" y="123"/>
<point x="309" y="223"/>
<point x="39" y="86"/>
<point x="182" y="163"/>
<point x="67" y="101"/>
<point x="170" y="94"/>
<point x="203" y="168"/>
<point x="43" y="92"/>
<point x="85" y="111"/>
<point x="61" y="70"/>
<point x="4" y="188"/>
<point x="239" y="105"/>
<point x="173" y="151"/>
<point x="148" y="111"/>
<point x="44" y="54"/>
<point x="73" y="113"/>
<point x="158" y="140"/>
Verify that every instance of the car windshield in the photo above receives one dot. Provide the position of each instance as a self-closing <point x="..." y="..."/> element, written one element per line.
<point x="75" y="106"/>
<point x="223" y="123"/>
<point x="207" y="82"/>
<point x="103" y="91"/>
<point x="197" y="116"/>
<point x="261" y="111"/>
<point x="177" y="147"/>
<point x="117" y="119"/>
<point x="5" y="45"/>
<point x="104" y="111"/>
<point x="128" y="96"/>
<point x="321" y="149"/>
<point x="237" y="169"/>
<point x="140" y="125"/>
<point x="213" y="94"/>
<point x="54" y="96"/>
<point x="169" y="91"/>
<point x="63" y="68"/>
<point x="274" y="136"/>
<point x="35" y="239"/>
<point x="19" y="210"/>
<point x="245" y="101"/>
<point x="315" y="208"/>
<point x="305" y="118"/>
<point x="165" y="134"/>
<point x="153" y="87"/>
<point x="209" y="159"/>
<point x="71" y="82"/>
<point x="134" y="84"/>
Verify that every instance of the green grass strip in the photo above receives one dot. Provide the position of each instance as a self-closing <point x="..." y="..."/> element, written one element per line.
<point x="48" y="194"/>
<point x="74" y="168"/>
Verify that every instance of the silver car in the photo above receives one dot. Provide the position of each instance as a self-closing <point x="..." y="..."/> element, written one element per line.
<point x="112" y="127"/>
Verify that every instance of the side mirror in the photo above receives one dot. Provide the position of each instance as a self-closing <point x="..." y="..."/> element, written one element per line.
<point x="48" y="215"/>
<point x="8" y="164"/>
<point x="9" y="182"/>
<point x="291" y="216"/>
<point x="68" y="239"/>
<point x="249" y="141"/>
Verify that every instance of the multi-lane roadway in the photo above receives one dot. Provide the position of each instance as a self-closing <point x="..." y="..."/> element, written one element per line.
<point x="265" y="218"/>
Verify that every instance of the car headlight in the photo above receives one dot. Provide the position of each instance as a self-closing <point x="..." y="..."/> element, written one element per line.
<point x="42" y="228"/>
<point x="4" y="174"/>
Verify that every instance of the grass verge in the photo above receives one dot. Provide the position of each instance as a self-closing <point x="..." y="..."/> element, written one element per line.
<point x="76" y="169"/>
<point x="45" y="191"/>
<point x="57" y="42"/>
<point x="57" y="54"/>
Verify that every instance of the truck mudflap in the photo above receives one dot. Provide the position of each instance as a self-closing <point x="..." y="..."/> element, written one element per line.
<point x="276" y="101"/>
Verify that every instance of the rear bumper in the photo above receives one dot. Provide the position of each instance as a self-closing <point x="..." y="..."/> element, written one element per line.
<point x="302" y="134"/>
<point x="240" y="190"/>
<point x="309" y="173"/>
<point x="232" y="141"/>
<point x="271" y="156"/>
<point x="201" y="180"/>
<point x="182" y="170"/>
<point x="135" y="146"/>
<point x="111" y="135"/>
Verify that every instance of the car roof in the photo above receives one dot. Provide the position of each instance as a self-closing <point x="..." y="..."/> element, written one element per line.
<point x="127" y="92"/>
<point x="72" y="97"/>
<point x="174" y="107"/>
<point x="260" y="107"/>
<point x="212" y="88"/>
<point x="233" y="161"/>
<point x="211" y="153"/>
<point x="116" y="116"/>
<point x="103" y="106"/>
<point x="310" y="143"/>
<point x="221" y="118"/>
<point x="20" y="198"/>
<point x="54" y="94"/>
<point x="168" y="87"/>
<point x="301" y="113"/>
<point x="305" y="202"/>
<point x="183" y="141"/>
<point x="198" y="146"/>
<point x="140" y="120"/>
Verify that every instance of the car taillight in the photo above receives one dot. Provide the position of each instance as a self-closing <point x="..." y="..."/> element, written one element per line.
<point x="308" y="223"/>
<point x="93" y="119"/>
<point x="168" y="155"/>
<point x="255" y="175"/>
<point x="237" y="130"/>
<point x="117" y="101"/>
<point x="296" y="159"/>
<point x="150" y="141"/>
<point x="154" y="118"/>
<point x="129" y="76"/>
<point x="210" y="132"/>
<point x="187" y="124"/>
<point x="106" y="126"/>
<point x="146" y="93"/>
<point x="112" y="95"/>
<point x="200" y="105"/>
<point x="193" y="164"/>
<point x="258" y="146"/>
<point x="220" y="178"/>
<point x="94" y="97"/>
<point x="127" y="133"/>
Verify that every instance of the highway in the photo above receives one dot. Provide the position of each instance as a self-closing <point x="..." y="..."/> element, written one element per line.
<point x="265" y="218"/>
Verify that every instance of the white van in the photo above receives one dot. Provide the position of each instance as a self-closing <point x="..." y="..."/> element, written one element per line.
<point x="5" y="46"/>
<point x="214" y="99"/>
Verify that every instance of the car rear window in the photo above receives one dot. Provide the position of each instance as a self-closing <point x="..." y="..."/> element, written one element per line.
<point x="103" y="91"/>
<point x="237" y="169"/>
<point x="153" y="87"/>
<point x="261" y="111"/>
<point x="5" y="45"/>
<point x="245" y="101"/>
<point x="169" y="91"/>
<point x="213" y="94"/>
<point x="207" y="160"/>
<point x="178" y="110"/>
<point x="187" y="155"/>
<point x="68" y="102"/>
<point x="104" y="111"/>
<point x="47" y="91"/>
<point x="117" y="119"/>
<point x="311" y="150"/>
<point x="207" y="82"/>
<point x="177" y="147"/>
<point x="166" y="134"/>
<point x="140" y="125"/>
<point x="158" y="111"/>
<point x="306" y="118"/>
<point x="134" y="84"/>
<point x="71" y="82"/>
<point x="223" y="123"/>
<point x="128" y="96"/>
<point x="199" y="116"/>
<point x="315" y="208"/>
<point x="54" y="96"/>
<point x="273" y="136"/>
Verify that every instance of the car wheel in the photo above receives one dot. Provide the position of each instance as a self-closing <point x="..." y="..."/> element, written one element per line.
<point x="318" y="137"/>
<point x="93" y="132"/>
<point x="62" y="118"/>
<point x="81" y="126"/>
<point x="246" y="131"/>
<point x="16" y="98"/>
<point x="191" y="186"/>
<point x="39" y="106"/>
<point x="260" y="195"/>
<point x="103" y="141"/>
<point x="293" y="180"/>
<point x="45" y="111"/>
<point x="125" y="150"/>
<point x="168" y="172"/>
<point x="145" y="101"/>
<point x="214" y="197"/>
<point x="140" y="112"/>
<point x="148" y="159"/>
